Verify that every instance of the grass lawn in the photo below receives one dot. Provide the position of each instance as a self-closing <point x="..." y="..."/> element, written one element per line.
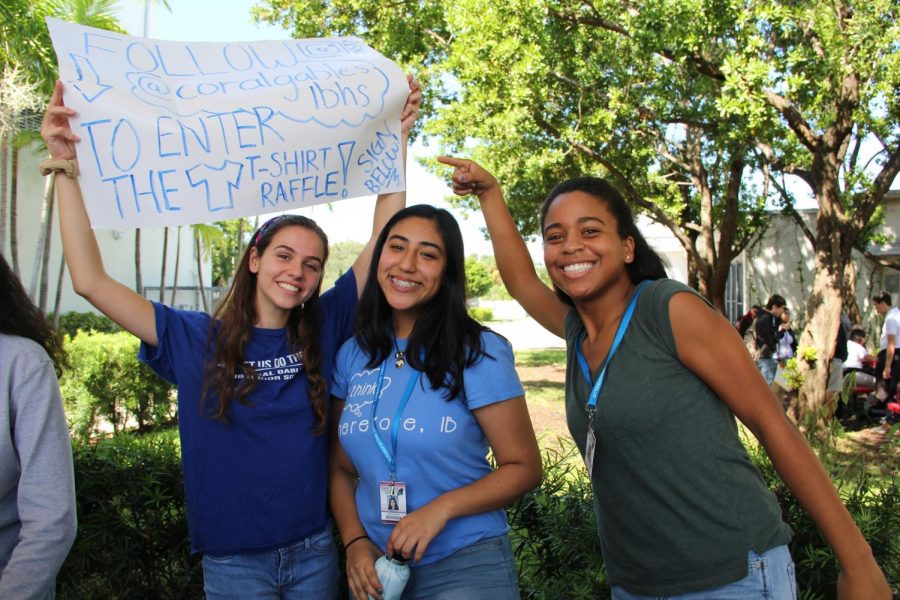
<point x="543" y="373"/>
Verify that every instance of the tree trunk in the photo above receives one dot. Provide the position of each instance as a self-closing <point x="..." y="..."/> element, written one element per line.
<point x="200" y="273"/>
<point x="851" y="307"/>
<point x="177" y="262"/>
<point x="138" y="282"/>
<point x="717" y="284"/>
<point x="59" y="285"/>
<point x="162" y="275"/>
<point x="49" y="186"/>
<point x="823" y="315"/>
<point x="13" y="213"/>
<point x="823" y="306"/>
<point x="45" y="255"/>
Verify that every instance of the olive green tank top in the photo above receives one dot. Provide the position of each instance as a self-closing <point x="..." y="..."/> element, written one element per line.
<point x="679" y="504"/>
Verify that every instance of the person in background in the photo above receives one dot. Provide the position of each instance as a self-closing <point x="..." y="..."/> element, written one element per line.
<point x="744" y="322"/>
<point x="858" y="357"/>
<point x="682" y="511"/>
<point x="768" y="332"/>
<point x="861" y="364"/>
<point x="888" y="368"/>
<point x="787" y="344"/>
<point x="37" y="487"/>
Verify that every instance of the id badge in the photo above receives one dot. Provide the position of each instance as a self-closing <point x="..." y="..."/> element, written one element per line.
<point x="393" y="501"/>
<point x="589" y="447"/>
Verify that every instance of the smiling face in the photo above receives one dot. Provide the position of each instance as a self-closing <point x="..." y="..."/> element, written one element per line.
<point x="583" y="252"/>
<point x="411" y="269"/>
<point x="287" y="273"/>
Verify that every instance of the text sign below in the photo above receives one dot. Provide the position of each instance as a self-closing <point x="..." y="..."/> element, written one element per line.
<point x="175" y="133"/>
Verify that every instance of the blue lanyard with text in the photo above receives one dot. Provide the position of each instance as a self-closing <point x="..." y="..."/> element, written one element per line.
<point x="391" y="454"/>
<point x="620" y="333"/>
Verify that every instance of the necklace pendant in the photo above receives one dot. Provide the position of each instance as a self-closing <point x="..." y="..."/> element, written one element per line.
<point x="399" y="362"/>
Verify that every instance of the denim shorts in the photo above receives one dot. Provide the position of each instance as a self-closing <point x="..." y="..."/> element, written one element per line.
<point x="770" y="576"/>
<point x="485" y="570"/>
<point x="306" y="569"/>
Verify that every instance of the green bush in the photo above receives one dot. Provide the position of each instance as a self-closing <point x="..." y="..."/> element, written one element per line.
<point x="132" y="540"/>
<point x="557" y="553"/>
<point x="554" y="533"/>
<point x="72" y="322"/>
<point x="106" y="383"/>
<point x="479" y="277"/>
<point x="874" y="504"/>
<point x="482" y="314"/>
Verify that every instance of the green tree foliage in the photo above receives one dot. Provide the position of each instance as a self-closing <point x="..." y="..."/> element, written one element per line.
<point x="227" y="251"/>
<point x="25" y="40"/>
<point x="479" y="278"/>
<point x="546" y="98"/>
<point x="699" y="111"/>
<point x="341" y="256"/>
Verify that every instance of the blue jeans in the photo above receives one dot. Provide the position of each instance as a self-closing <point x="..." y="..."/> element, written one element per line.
<point x="485" y="570"/>
<point x="770" y="576"/>
<point x="306" y="569"/>
<point x="767" y="366"/>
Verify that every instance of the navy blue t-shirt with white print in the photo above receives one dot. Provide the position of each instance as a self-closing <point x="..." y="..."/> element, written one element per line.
<point x="260" y="480"/>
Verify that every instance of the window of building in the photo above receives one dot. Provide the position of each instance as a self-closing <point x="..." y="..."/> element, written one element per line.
<point x="734" y="291"/>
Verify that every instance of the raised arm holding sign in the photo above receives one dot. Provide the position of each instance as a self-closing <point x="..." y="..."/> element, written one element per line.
<point x="253" y="378"/>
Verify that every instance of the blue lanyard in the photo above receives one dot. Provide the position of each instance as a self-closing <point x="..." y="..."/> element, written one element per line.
<point x="620" y="333"/>
<point x="391" y="454"/>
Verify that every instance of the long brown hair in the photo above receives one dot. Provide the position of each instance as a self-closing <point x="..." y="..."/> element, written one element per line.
<point x="232" y="326"/>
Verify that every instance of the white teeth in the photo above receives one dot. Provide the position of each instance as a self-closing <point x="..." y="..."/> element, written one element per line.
<point x="403" y="283"/>
<point x="288" y="287"/>
<point x="577" y="267"/>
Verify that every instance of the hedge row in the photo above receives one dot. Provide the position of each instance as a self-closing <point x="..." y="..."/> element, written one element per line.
<point x="132" y="540"/>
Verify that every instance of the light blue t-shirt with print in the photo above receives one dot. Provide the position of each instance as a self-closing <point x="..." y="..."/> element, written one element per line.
<point x="440" y="446"/>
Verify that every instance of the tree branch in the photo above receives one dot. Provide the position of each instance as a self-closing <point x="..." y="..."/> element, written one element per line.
<point x="794" y="119"/>
<point x="876" y="192"/>
<point x="788" y="208"/>
<point x="777" y="164"/>
<point x="631" y="193"/>
<point x="703" y="65"/>
<point x="878" y="260"/>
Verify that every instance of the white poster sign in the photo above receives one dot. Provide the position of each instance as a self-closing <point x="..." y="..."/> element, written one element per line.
<point x="176" y="133"/>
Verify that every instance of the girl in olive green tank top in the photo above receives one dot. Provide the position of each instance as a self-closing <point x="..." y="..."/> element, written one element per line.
<point x="661" y="440"/>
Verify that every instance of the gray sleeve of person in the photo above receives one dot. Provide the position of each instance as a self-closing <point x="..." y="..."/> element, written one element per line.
<point x="37" y="487"/>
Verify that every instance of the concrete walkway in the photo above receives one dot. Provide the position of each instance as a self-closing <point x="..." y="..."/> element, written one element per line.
<point x="523" y="332"/>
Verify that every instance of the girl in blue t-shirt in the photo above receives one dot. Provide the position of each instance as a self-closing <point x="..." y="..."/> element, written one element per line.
<point x="714" y="543"/>
<point x="421" y="392"/>
<point x="253" y="385"/>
